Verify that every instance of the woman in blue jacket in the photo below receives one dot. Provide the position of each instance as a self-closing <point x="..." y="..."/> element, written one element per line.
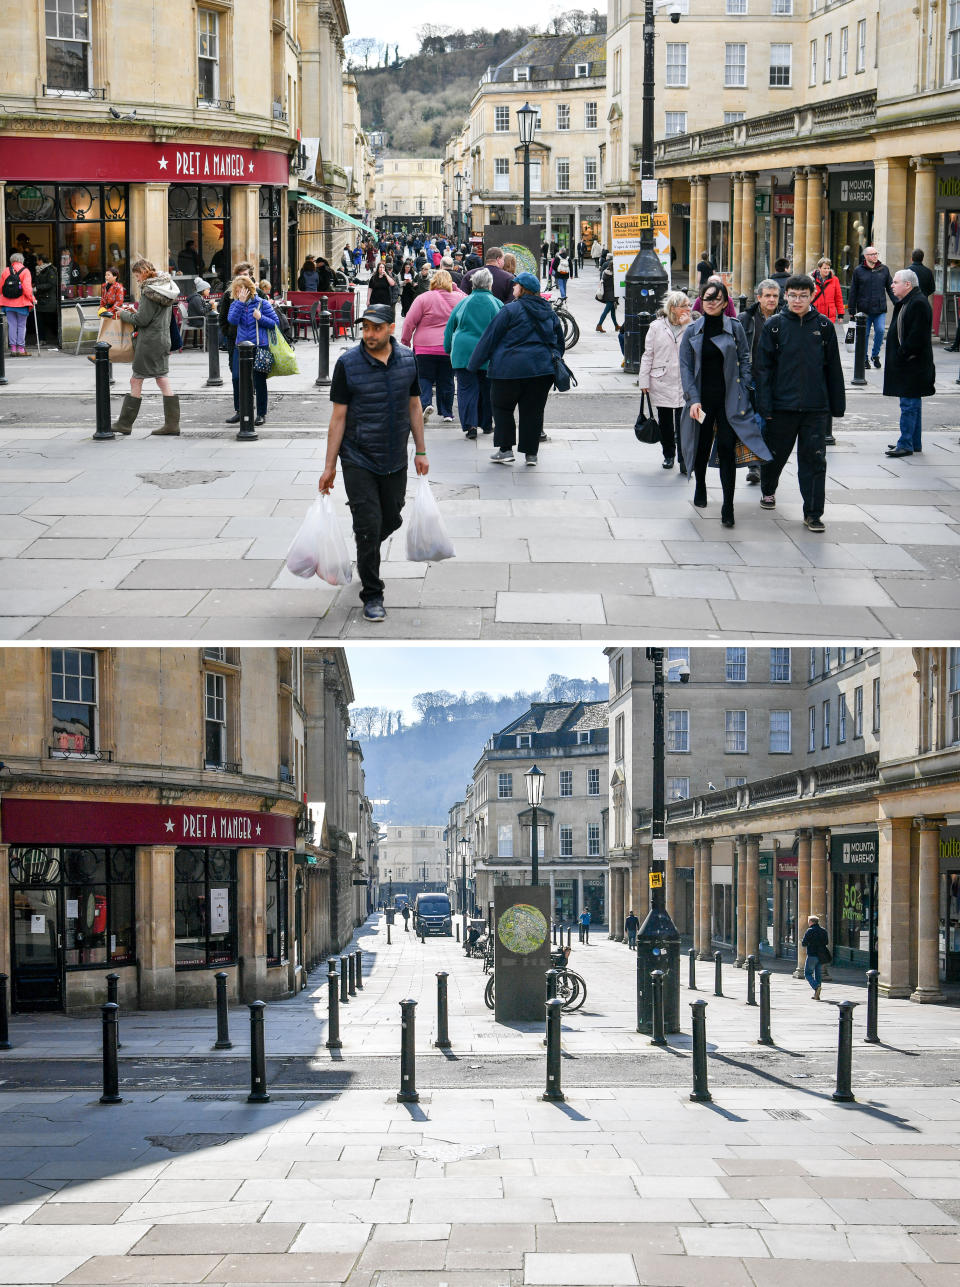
<point x="520" y="345"/>
<point x="254" y="318"/>
<point x="465" y="325"/>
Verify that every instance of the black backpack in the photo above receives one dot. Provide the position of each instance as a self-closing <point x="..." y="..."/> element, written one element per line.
<point x="11" y="287"/>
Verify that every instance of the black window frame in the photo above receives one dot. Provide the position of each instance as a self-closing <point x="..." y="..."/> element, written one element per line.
<point x="211" y="958"/>
<point x="278" y="879"/>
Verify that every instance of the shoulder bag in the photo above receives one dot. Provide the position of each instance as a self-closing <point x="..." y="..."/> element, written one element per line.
<point x="262" y="358"/>
<point x="647" y="427"/>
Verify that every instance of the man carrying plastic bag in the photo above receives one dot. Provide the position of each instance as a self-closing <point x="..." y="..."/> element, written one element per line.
<point x="376" y="407"/>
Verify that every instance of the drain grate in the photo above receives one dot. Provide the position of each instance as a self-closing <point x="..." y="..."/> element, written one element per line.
<point x="191" y="1143"/>
<point x="787" y="1114"/>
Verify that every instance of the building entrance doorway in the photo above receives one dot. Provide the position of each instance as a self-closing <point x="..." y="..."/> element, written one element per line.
<point x="37" y="936"/>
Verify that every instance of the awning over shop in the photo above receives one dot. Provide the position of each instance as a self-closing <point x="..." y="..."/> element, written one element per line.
<point x="322" y="205"/>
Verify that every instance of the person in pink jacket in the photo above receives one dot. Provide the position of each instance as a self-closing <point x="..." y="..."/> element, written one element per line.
<point x="424" y="326"/>
<point x="17" y="301"/>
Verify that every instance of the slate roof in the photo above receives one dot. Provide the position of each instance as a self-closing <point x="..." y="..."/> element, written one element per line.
<point x="559" y="717"/>
<point x="555" y="57"/>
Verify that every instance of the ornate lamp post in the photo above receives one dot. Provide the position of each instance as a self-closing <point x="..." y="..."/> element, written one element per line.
<point x="534" y="779"/>
<point x="463" y="844"/>
<point x="527" y="122"/>
<point x="458" y="181"/>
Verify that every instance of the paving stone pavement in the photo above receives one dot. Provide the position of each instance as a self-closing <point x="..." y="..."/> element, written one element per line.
<point x="182" y="539"/>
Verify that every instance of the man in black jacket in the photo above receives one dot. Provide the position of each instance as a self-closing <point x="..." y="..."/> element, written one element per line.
<point x="909" y="370"/>
<point x="752" y="319"/>
<point x="924" y="275"/>
<point x="631" y="925"/>
<point x="800" y="386"/>
<point x="869" y="288"/>
<point x="815" y="941"/>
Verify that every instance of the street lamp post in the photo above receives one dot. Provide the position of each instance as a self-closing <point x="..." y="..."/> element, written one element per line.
<point x="527" y="121"/>
<point x="458" y="181"/>
<point x="463" y="844"/>
<point x="390" y="888"/>
<point x="534" y="779"/>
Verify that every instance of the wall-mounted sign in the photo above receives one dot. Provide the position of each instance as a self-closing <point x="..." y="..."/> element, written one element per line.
<point x="856" y="851"/>
<point x="787" y="867"/>
<point x="783" y="204"/>
<point x="58" y="822"/>
<point x="948" y="187"/>
<point x="761" y="203"/>
<point x="851" y="190"/>
<point x="219" y="911"/>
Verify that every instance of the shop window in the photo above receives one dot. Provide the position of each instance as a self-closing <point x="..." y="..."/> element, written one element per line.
<point x="276" y="918"/>
<point x="504" y="786"/>
<point x="271" y="236"/>
<point x="735" y="732"/>
<point x="566" y="842"/>
<point x="566" y="782"/>
<point x="779" y="665"/>
<point x="593" y="840"/>
<point x="74" y="711"/>
<point x="593" y="781"/>
<point x="198" y="230"/>
<point x="736" y="666"/>
<point x="678" y="731"/>
<point x="673" y="672"/>
<point x="98" y="906"/>
<point x="69" y="65"/>
<point x="205" y="912"/>
<point x="208" y="56"/>
<point x="780" y="740"/>
<point x="953" y="697"/>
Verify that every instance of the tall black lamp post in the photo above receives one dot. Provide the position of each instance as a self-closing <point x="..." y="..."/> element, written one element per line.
<point x="463" y="845"/>
<point x="458" y="181"/>
<point x="534" y="779"/>
<point x="527" y="121"/>
<point x="389" y="888"/>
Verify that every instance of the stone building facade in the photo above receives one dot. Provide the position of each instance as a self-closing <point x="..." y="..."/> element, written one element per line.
<point x="408" y="192"/>
<point x="413" y="859"/>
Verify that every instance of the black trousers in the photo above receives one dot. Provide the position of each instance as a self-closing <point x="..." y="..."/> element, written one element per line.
<point x="529" y="399"/>
<point x="808" y="430"/>
<point x="376" y="505"/>
<point x="716" y="418"/>
<point x="669" y="418"/>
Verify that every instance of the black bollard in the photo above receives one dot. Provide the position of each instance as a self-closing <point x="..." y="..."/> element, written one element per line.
<point x="101" y="384"/>
<point x="765" y="1038"/>
<point x="333" y="1008"/>
<point x="323" y="346"/>
<point x="554" y="936"/>
<point x="351" y="974"/>
<point x="553" y="1092"/>
<point x="407" y="1093"/>
<point x="751" y="980"/>
<point x="844" y="1094"/>
<point x="4" y="1030"/>
<point x="700" y="1093"/>
<point x="112" y="982"/>
<point x="860" y="349"/>
<point x="458" y="931"/>
<point x="743" y="303"/>
<point x="258" y="1059"/>
<point x="443" y="1037"/>
<point x="111" y="1074"/>
<point x="212" y="328"/>
<point x="223" y="1041"/>
<point x="658" y="1038"/>
<point x="3" y="347"/>
<point x="358" y="969"/>
<point x="389" y="940"/>
<point x="245" y="355"/>
<point x="873" y="994"/>
<point x="569" y="934"/>
<point x="717" y="975"/>
<point x="344" y="988"/>
<point x="551" y="977"/>
<point x="692" y="979"/>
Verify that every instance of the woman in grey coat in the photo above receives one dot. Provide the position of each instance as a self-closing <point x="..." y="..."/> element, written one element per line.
<point x="716" y="375"/>
<point x="151" y="353"/>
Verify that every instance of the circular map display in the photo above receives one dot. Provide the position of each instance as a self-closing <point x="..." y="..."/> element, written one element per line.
<point x="526" y="263"/>
<point x="522" y="929"/>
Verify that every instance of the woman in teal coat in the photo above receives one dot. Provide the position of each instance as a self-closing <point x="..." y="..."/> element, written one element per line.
<point x="465" y="325"/>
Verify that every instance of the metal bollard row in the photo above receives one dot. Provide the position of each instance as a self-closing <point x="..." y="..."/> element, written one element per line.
<point x="765" y="1038"/>
<point x="258" y="1059"/>
<point x="751" y="980"/>
<point x="860" y="349"/>
<point x="333" y="1041"/>
<point x="717" y="975"/>
<point x="692" y="977"/>
<point x="111" y="1073"/>
<point x="701" y="1092"/>
<point x="553" y="1092"/>
<point x="443" y="1036"/>
<point x="223" y="1041"/>
<point x="844" y="1092"/>
<point x="323" y="346"/>
<point x="358" y="970"/>
<point x="113" y="981"/>
<point x="212" y="335"/>
<point x="351" y="974"/>
<point x="873" y="992"/>
<point x="344" y="988"/>
<point x="246" y="352"/>
<point x="407" y="1093"/>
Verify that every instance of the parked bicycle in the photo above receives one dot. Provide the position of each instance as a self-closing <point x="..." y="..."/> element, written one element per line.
<point x="571" y="331"/>
<point x="571" y="990"/>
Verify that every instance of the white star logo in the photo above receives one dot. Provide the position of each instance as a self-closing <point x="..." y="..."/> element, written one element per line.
<point x="163" y="163"/>
<point x="258" y="828"/>
<point x="169" y="824"/>
<point x="251" y="167"/>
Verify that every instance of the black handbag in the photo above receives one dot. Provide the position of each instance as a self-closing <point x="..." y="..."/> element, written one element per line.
<point x="647" y="427"/>
<point x="563" y="377"/>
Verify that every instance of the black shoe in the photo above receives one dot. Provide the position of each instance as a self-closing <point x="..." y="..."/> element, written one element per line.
<point x="899" y="451"/>
<point x="813" y="524"/>
<point x="234" y="419"/>
<point x="543" y="437"/>
<point x="876" y="363"/>
<point x="726" y="517"/>
<point x="700" y="496"/>
<point x="753" y="476"/>
<point x="373" y="610"/>
<point x="260" y="420"/>
<point x="829" y="440"/>
<point x="471" y="433"/>
<point x="667" y="462"/>
<point x="768" y="502"/>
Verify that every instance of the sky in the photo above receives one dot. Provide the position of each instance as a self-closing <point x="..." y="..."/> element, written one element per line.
<point x="397" y="24"/>
<point x="389" y="676"/>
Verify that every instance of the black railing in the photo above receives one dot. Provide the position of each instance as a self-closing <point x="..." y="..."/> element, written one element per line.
<point x="278" y="113"/>
<point x="284" y="773"/>
<point x="216" y="104"/>
<point x="54" y="91"/>
<point x="78" y="753"/>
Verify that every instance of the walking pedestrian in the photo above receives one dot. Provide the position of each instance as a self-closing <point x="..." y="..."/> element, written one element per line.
<point x="827" y="295"/>
<point x="729" y="311"/>
<point x="705" y="270"/>
<point x="815" y="941"/>
<point x="780" y="274"/>
<point x="870" y="287"/>
<point x="381" y="287"/>
<point x="520" y="345"/>
<point x="17" y="299"/>
<point x="423" y="331"/>
<point x="560" y="267"/>
<point x="581" y="252"/>
<point x="46" y="289"/>
<point x="660" y="371"/>
<point x="799" y="382"/>
<point x="408" y="287"/>
<point x="908" y="371"/>
<point x="253" y="316"/>
<point x="608" y="294"/>
<point x="631" y="925"/>
<point x="716" y="374"/>
<point x="405" y="913"/>
<point x="465" y="325"/>
<point x="151" y="352"/>
<point x="585" y="925"/>
<point x="923" y="273"/>
<point x="493" y="260"/>
<point x="375" y="393"/>
<point x="596" y="253"/>
<point x="752" y="319"/>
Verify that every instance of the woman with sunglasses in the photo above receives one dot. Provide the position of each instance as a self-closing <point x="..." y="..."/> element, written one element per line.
<point x="716" y="375"/>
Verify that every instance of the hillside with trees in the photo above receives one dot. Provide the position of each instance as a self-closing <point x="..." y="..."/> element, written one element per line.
<point x="419" y="770"/>
<point x="418" y="102"/>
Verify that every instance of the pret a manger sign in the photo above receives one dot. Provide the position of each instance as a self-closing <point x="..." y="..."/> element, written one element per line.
<point x="208" y="164"/>
<point x="214" y="826"/>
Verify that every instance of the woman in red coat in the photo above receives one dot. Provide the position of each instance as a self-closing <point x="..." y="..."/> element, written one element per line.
<point x="827" y="297"/>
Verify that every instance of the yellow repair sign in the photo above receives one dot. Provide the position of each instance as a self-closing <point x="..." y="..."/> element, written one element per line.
<point x="656" y="880"/>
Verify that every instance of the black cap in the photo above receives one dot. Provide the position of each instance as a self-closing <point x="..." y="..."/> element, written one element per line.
<point x="382" y="314"/>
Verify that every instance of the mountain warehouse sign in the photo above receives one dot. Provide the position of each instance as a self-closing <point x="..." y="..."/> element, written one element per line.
<point x="857" y="851"/>
<point x="851" y="190"/>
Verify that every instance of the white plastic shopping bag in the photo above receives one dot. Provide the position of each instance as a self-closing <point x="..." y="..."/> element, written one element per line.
<point x="318" y="549"/>
<point x="427" y="539"/>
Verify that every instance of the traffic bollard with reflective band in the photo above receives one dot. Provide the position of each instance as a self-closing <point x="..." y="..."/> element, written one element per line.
<point x="717" y="975"/>
<point x="101" y="384"/>
<point x="344" y="988"/>
<point x="212" y="334"/>
<point x="351" y="974"/>
<point x="223" y="1041"/>
<point x="323" y="347"/>
<point x="443" y="1037"/>
<point x="765" y="1038"/>
<point x="553" y="1091"/>
<point x="658" y="1038"/>
<point x="258" y="1059"/>
<point x="700" y="1093"/>
<point x="692" y="973"/>
<point x="751" y="980"/>
<point x="333" y="1008"/>
<point x="111" y="1073"/>
<point x="112" y="982"/>
<point x="407" y="1093"/>
<point x="4" y="1029"/>
<point x="245" y="355"/>
<point x="844" y="1092"/>
<point x="873" y="996"/>
<point x="860" y="349"/>
<point x="358" y="969"/>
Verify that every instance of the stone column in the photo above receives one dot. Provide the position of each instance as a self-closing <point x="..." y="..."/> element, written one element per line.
<point x="924" y="205"/>
<point x="615" y="914"/>
<point x="799" y="220"/>
<point x="553" y="898"/>
<point x="664" y="196"/>
<point x="251" y="922"/>
<point x="697" y="882"/>
<point x="637" y="901"/>
<point x="579" y="892"/>
<point x="155" y="926"/>
<point x="819" y="876"/>
<point x="702" y="230"/>
<point x="814" y="217"/>
<point x="753" y="895"/>
<point x="147" y="228"/>
<point x="5" y="945"/>
<point x="245" y="227"/>
<point x="742" y="949"/>
<point x="549" y="226"/>
<point x="890" y="205"/>
<point x="577" y="233"/>
<point x="670" y="882"/>
<point x="705" y="900"/>
<point x="893" y="886"/>
<point x="748" y="268"/>
<point x="928" y="913"/>
<point x="803" y="897"/>
<point x="736" y="243"/>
